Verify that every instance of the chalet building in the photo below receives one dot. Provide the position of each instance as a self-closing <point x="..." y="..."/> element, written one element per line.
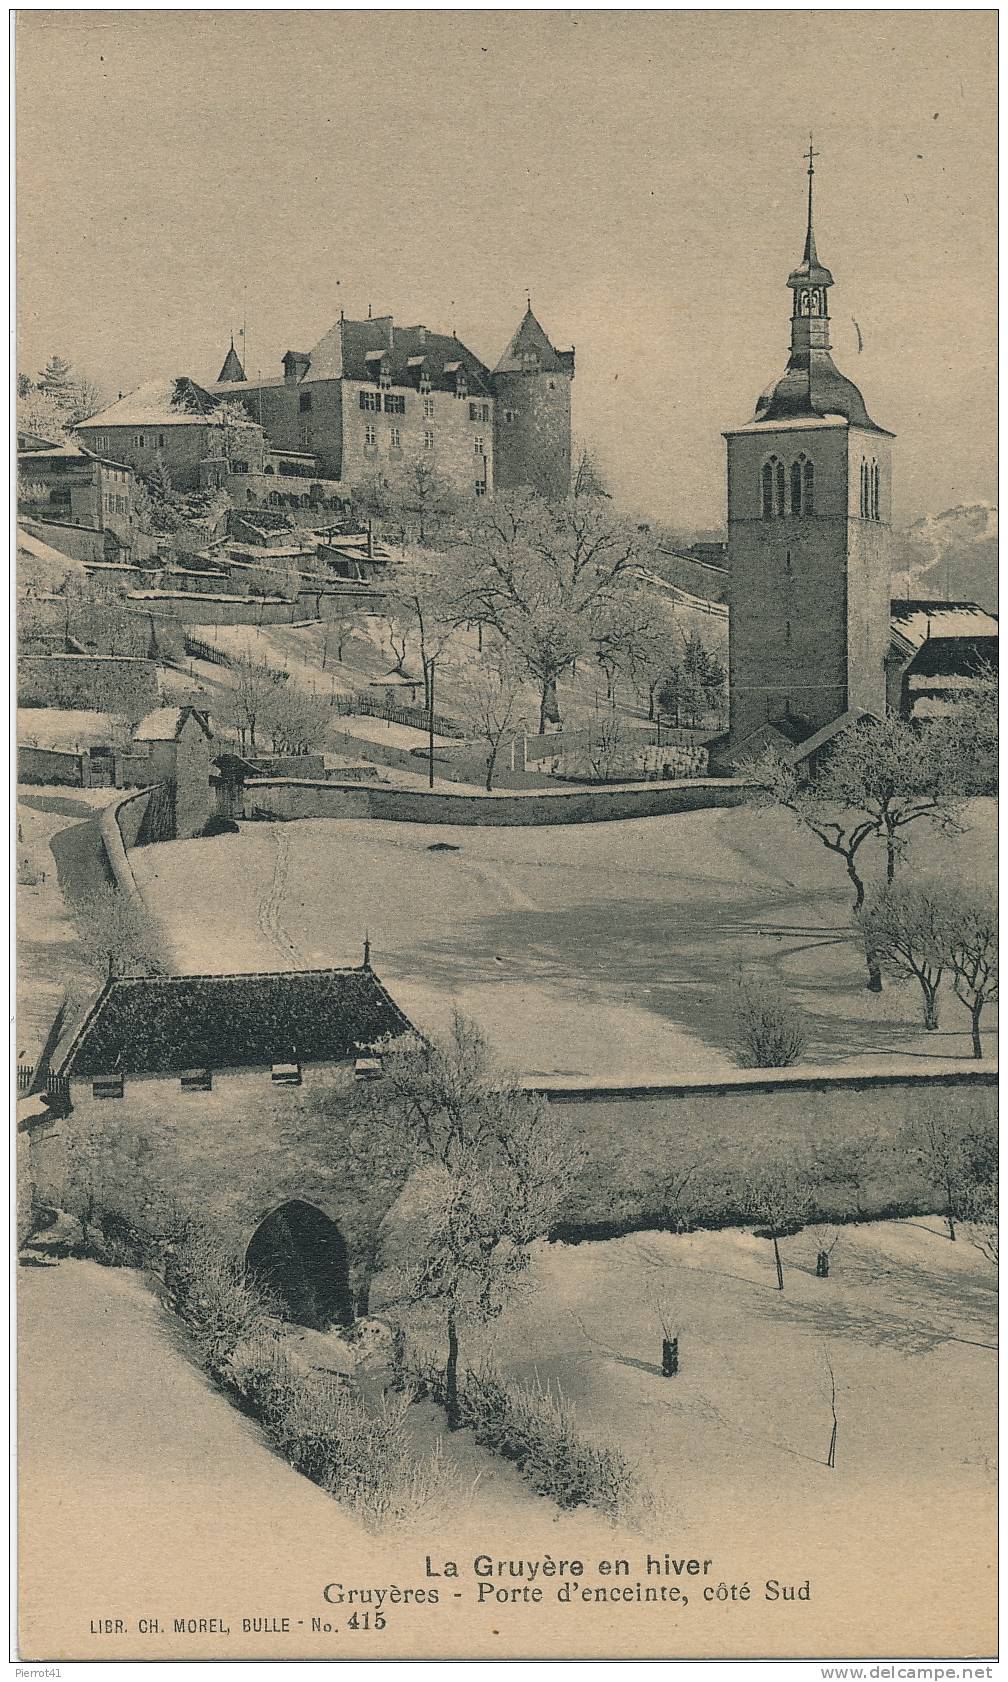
<point x="178" y="744"/>
<point x="177" y="426"/>
<point x="66" y="484"/>
<point x="371" y="397"/>
<point x="937" y="651"/>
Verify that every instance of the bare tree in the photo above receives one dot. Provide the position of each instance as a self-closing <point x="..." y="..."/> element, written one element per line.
<point x="118" y="933"/>
<point x="552" y="578"/>
<point x="897" y="774"/>
<point x="980" y="1217"/>
<point x="296" y="720"/>
<point x="427" y="598"/>
<point x="850" y="1163"/>
<point x="778" y="781"/>
<point x="973" y="955"/>
<point x="245" y="704"/>
<point x="953" y="1156"/>
<point x="399" y="625"/>
<point x="777" y="1195"/>
<point x="831" y="1454"/>
<point x="491" y="697"/>
<point x="494" y="1168"/>
<point x="908" y="925"/>
<point x="413" y="500"/>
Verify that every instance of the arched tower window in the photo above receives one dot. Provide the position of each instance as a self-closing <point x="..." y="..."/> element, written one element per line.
<point x="796" y="468"/>
<point x="864" y="490"/>
<point x="779" y="489"/>
<point x="808" y="488"/>
<point x="768" y="490"/>
<point x="875" y="490"/>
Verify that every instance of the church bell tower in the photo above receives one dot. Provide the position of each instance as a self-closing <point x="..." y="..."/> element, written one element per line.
<point x="809" y="536"/>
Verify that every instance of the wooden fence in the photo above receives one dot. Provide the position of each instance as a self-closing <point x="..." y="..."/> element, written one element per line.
<point x="200" y="650"/>
<point x="417" y="718"/>
<point x="56" y="1086"/>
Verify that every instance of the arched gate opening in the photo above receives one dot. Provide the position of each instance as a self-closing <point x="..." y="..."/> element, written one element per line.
<point x="302" y="1256"/>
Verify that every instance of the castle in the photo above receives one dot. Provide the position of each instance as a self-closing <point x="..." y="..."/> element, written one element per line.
<point x="809" y="538"/>
<point x="372" y="396"/>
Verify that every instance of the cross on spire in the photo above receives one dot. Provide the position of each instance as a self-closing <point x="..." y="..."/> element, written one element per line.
<point x="810" y="250"/>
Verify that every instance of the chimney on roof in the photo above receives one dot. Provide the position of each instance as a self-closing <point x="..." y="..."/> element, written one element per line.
<point x="422" y="336"/>
<point x="367" y="952"/>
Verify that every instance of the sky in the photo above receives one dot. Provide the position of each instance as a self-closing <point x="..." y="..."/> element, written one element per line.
<point x="638" y="174"/>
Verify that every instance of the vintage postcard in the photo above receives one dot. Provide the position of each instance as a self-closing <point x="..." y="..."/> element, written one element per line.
<point x="507" y="646"/>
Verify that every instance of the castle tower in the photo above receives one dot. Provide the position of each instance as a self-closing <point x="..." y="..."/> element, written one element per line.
<point x="809" y="537"/>
<point x="232" y="369"/>
<point x="532" y="413"/>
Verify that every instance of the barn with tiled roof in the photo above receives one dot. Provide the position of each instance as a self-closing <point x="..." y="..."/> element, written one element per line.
<point x="168" y="1024"/>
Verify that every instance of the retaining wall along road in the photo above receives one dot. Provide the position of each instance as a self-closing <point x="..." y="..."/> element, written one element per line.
<point x="300" y="798"/>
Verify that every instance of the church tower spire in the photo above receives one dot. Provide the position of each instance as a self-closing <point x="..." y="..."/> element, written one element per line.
<point x="809" y="283"/>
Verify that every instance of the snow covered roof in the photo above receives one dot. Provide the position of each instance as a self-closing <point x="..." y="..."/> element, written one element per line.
<point x="155" y="404"/>
<point x="42" y="551"/>
<point x="165" y="724"/>
<point x="915" y="622"/>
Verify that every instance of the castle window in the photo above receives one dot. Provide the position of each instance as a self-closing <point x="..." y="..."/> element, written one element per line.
<point x="481" y="487"/>
<point x="875" y="490"/>
<point x="370" y="437"/>
<point x="474" y="411"/>
<point x="425" y="382"/>
<point x="393" y="437"/>
<point x="160" y="440"/>
<point x="371" y="401"/>
<point x="385" y="380"/>
<point x="304" y="402"/>
<point x="796" y="473"/>
<point x="787" y="630"/>
<point x="767" y="482"/>
<point x="478" y="447"/>
<point x="808" y="488"/>
<point x="428" y="408"/>
<point x="428" y="439"/>
<point x="779" y="489"/>
<point x="509" y="416"/>
<point x="140" y="441"/>
<point x="395" y="404"/>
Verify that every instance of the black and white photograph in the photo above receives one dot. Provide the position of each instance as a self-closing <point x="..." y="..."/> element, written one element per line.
<point x="505" y="605"/>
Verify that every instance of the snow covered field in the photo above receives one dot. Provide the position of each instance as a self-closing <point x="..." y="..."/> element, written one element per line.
<point x="594" y="951"/>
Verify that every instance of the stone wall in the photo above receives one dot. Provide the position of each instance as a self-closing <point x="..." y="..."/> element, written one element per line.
<point x="294" y="1144"/>
<point x="187" y="608"/>
<point x="91" y="682"/>
<point x="49" y="765"/>
<point x="304" y="799"/>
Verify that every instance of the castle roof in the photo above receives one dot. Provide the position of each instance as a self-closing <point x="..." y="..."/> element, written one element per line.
<point x="530" y="340"/>
<point x="364" y="350"/>
<point x="232" y="371"/>
<point x="167" y="1024"/>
